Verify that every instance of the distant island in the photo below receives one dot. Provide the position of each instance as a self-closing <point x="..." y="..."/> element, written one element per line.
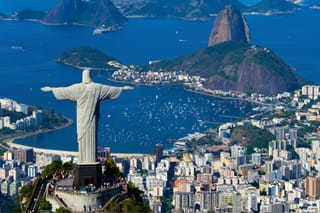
<point x="94" y="13"/>
<point x="270" y="7"/>
<point x="86" y="57"/>
<point x="199" y="10"/>
<point x="99" y="14"/>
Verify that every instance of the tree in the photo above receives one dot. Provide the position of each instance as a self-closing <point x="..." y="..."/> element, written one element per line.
<point x="68" y="166"/>
<point x="112" y="169"/>
<point x="44" y="205"/>
<point x="24" y="195"/>
<point x="134" y="192"/>
<point x="54" y="167"/>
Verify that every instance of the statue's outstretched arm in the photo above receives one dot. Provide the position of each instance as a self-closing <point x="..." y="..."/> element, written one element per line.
<point x="46" y="89"/>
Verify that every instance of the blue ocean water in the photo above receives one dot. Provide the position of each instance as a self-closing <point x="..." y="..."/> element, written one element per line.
<point x="139" y="119"/>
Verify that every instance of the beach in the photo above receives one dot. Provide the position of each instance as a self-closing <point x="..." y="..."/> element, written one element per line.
<point x="9" y="141"/>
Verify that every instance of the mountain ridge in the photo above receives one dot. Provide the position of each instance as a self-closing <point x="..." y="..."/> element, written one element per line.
<point x="93" y="13"/>
<point x="200" y="9"/>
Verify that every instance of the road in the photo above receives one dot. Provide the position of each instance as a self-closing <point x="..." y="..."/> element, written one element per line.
<point x="39" y="191"/>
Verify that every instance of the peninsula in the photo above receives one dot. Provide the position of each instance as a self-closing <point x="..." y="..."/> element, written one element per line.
<point x="86" y="57"/>
<point x="231" y="63"/>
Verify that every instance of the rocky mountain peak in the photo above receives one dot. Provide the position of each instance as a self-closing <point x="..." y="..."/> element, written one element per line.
<point x="230" y="25"/>
<point x="93" y="13"/>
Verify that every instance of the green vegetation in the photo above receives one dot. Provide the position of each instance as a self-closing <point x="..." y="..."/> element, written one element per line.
<point x="273" y="5"/>
<point x="23" y="197"/>
<point x="133" y="204"/>
<point x="180" y="8"/>
<point x="251" y="137"/>
<point x="62" y="210"/>
<point x="53" y="119"/>
<point x="28" y="14"/>
<point x="6" y="131"/>
<point x="112" y="170"/>
<point x="218" y="60"/>
<point x="50" y="120"/>
<point x="270" y="61"/>
<point x="85" y="57"/>
<point x="128" y="206"/>
<point x="44" y="205"/>
<point x="14" y="116"/>
<point x="210" y="141"/>
<point x="200" y="9"/>
<point x="56" y="167"/>
<point x="87" y="13"/>
<point x="235" y="66"/>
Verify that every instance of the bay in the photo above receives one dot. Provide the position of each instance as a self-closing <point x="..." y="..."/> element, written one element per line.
<point x="139" y="119"/>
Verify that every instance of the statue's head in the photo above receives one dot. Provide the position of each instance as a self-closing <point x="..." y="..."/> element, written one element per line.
<point x="86" y="79"/>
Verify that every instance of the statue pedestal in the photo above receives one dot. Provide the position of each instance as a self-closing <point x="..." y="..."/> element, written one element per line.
<point x="86" y="174"/>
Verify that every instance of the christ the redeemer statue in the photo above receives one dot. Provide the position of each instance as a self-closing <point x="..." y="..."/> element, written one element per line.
<point x="88" y="95"/>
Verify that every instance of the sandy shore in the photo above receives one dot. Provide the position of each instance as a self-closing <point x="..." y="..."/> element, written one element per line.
<point x="10" y="143"/>
<point x="10" y="140"/>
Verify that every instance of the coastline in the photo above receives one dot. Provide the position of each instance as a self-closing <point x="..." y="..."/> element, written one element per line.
<point x="226" y="98"/>
<point x="10" y="140"/>
<point x="82" y="68"/>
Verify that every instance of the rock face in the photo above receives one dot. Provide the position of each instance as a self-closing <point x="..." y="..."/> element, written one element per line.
<point x="94" y="13"/>
<point x="232" y="63"/>
<point x="230" y="25"/>
<point x="237" y="67"/>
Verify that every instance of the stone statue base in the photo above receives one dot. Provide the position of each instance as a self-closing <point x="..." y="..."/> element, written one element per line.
<point x="87" y="174"/>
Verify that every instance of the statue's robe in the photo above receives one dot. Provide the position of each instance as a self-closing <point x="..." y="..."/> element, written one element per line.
<point x="88" y="97"/>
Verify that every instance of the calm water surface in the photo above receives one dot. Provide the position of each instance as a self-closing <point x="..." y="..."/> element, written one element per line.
<point x="139" y="119"/>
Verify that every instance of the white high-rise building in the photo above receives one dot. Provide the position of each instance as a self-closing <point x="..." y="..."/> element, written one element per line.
<point x="13" y="188"/>
<point x="32" y="171"/>
<point x="38" y="116"/>
<point x="5" y="187"/>
<point x="311" y="91"/>
<point x="252" y="202"/>
<point x="8" y="156"/>
<point x="22" y="108"/>
<point x="6" y="121"/>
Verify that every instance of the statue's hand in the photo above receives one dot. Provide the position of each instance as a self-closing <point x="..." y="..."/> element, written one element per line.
<point x="46" y="89"/>
<point x="127" y="88"/>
